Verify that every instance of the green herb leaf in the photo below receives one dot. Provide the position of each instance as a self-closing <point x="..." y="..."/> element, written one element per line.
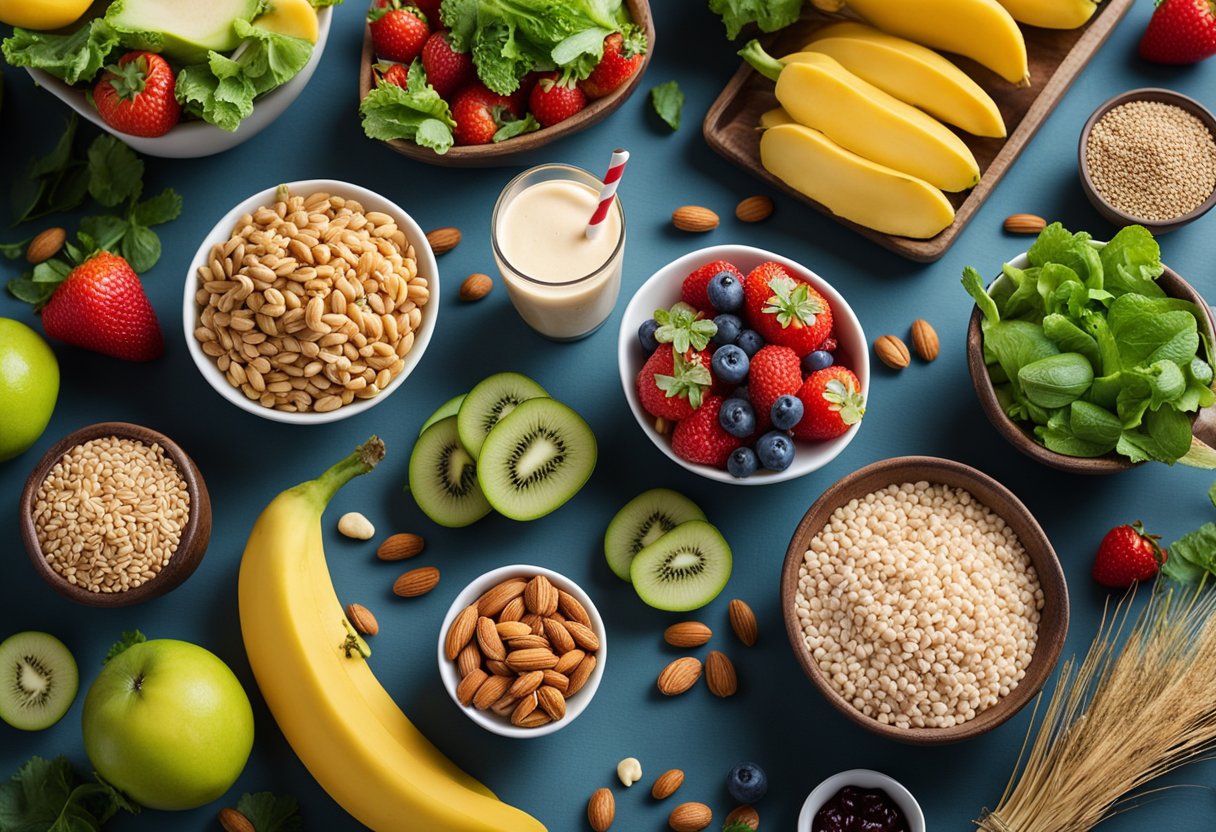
<point x="67" y="190"/>
<point x="770" y="15"/>
<point x="25" y="289"/>
<point x="737" y="826"/>
<point x="165" y="206"/>
<point x="59" y="158"/>
<point x="460" y="18"/>
<point x="73" y="57"/>
<point x="115" y="172"/>
<point x="1131" y="262"/>
<point x="587" y="43"/>
<point x="140" y="247"/>
<point x="14" y="250"/>
<point x="129" y="639"/>
<point x="415" y="112"/>
<point x="668" y="101"/>
<point x="683" y="327"/>
<point x="1195" y="553"/>
<point x="50" y="796"/>
<point x="517" y="127"/>
<point x="103" y="232"/>
<point x="1165" y="437"/>
<point x="270" y="812"/>
<point x="41" y="190"/>
<point x="51" y="271"/>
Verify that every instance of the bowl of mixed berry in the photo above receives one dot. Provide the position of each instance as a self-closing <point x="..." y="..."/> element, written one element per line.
<point x="744" y="366"/>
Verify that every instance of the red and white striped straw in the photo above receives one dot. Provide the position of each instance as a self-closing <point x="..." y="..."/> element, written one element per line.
<point x="616" y="169"/>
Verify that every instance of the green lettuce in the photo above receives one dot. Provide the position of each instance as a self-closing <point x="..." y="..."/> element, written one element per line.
<point x="72" y="58"/>
<point x="769" y="15"/>
<point x="414" y="112"/>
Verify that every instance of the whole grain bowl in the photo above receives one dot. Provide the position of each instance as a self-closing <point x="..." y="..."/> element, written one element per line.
<point x="311" y="302"/>
<point x="923" y="600"/>
<point x="115" y="514"/>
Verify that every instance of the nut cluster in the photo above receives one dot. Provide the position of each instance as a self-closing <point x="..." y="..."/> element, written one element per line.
<point x="682" y="674"/>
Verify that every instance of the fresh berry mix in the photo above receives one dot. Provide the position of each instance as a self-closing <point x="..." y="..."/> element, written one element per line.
<point x="746" y="366"/>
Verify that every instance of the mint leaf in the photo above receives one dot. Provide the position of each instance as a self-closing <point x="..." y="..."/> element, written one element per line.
<point x="162" y="208"/>
<point x="51" y="271"/>
<point x="103" y="231"/>
<point x="517" y="127"/>
<point x="140" y="248"/>
<point x="668" y="102"/>
<point x="115" y="172"/>
<point x="129" y="639"/>
<point x="14" y="250"/>
<point x="270" y="812"/>
<point x="25" y="289"/>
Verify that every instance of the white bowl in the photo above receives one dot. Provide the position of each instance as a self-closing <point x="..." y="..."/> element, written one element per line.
<point x="663" y="289"/>
<point x="866" y="779"/>
<point x="575" y="705"/>
<point x="193" y="139"/>
<point x="370" y="201"/>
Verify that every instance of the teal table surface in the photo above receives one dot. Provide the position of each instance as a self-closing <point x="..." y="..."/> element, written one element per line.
<point x="778" y="719"/>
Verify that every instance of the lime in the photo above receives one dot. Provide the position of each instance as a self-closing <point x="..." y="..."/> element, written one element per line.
<point x="29" y="385"/>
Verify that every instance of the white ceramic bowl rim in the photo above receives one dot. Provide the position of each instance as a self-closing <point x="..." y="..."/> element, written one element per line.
<point x="370" y="200"/>
<point x="866" y="779"/>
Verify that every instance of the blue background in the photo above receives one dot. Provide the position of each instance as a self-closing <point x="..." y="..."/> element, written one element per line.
<point x="777" y="719"/>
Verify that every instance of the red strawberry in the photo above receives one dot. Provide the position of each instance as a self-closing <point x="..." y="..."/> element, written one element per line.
<point x="446" y="69"/>
<point x="832" y="403"/>
<point x="398" y="33"/>
<point x="1126" y="555"/>
<point x="393" y="74"/>
<point x="829" y="345"/>
<point x="430" y="8"/>
<point x="775" y="372"/>
<point x="552" y="101"/>
<point x="700" y="438"/>
<point x="694" y="290"/>
<point x="519" y="98"/>
<point x="136" y="96"/>
<point x="785" y="310"/>
<point x="479" y="112"/>
<point x="672" y="386"/>
<point x="623" y="55"/>
<point x="101" y="306"/>
<point x="1180" y="32"/>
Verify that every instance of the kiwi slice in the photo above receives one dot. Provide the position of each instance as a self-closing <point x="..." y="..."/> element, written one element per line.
<point x="684" y="569"/>
<point x="443" y="477"/>
<point x="489" y="402"/>
<point x="642" y="521"/>
<point x="38" y="680"/>
<point x="449" y="408"/>
<point x="537" y="457"/>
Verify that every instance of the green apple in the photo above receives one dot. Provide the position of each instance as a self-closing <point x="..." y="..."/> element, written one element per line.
<point x="29" y="385"/>
<point x="169" y="724"/>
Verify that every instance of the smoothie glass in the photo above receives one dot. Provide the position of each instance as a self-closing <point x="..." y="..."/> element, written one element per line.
<point x="563" y="284"/>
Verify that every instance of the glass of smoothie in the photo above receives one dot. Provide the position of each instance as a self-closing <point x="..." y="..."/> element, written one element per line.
<point x="563" y="283"/>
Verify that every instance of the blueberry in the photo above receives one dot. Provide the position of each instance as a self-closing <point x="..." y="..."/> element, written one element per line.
<point x="742" y="463"/>
<point x="646" y="335"/>
<point x="725" y="292"/>
<point x="750" y="341"/>
<point x="786" y="412"/>
<point x="737" y="417"/>
<point x="815" y="361"/>
<point x="775" y="450"/>
<point x="730" y="364"/>
<point x="729" y="327"/>
<point x="747" y="782"/>
<point x="740" y="393"/>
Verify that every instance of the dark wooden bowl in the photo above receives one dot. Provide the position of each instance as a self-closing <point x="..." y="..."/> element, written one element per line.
<point x="507" y="152"/>
<point x="1109" y="212"/>
<point x="189" y="552"/>
<point x="1021" y="435"/>
<point x="1053" y="622"/>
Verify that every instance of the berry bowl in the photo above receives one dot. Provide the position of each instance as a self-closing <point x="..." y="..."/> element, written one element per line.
<point x="862" y="778"/>
<point x="664" y="289"/>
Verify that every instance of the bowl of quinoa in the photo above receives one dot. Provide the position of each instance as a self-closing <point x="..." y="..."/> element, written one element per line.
<point x="923" y="600"/>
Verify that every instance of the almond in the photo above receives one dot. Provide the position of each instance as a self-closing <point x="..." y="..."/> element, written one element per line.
<point x="400" y="547"/>
<point x="468" y="660"/>
<point x="572" y="608"/>
<point x="535" y="719"/>
<point x="491" y="690"/>
<point x="559" y="636"/>
<point x="557" y="680"/>
<point x="566" y="662"/>
<point x="583" y="636"/>
<point x="528" y="642"/>
<point x="494" y="600"/>
<point x="580" y="675"/>
<point x="1024" y="224"/>
<point x="513" y="611"/>
<point x="469" y="686"/>
<point x="667" y="784"/>
<point x="892" y="352"/>
<point x="720" y="675"/>
<point x="743" y="622"/>
<point x="513" y="629"/>
<point x="754" y="209"/>
<point x="45" y="246"/>
<point x="745" y="815"/>
<point x="499" y="668"/>
<point x="694" y="218"/>
<point x="527" y="683"/>
<point x="601" y="810"/>
<point x="536" y="658"/>
<point x="690" y="817"/>
<point x="233" y="821"/>
<point x="540" y="596"/>
<point x="444" y="239"/>
<point x="461" y="632"/>
<point x="925" y="340"/>
<point x="488" y="640"/>
<point x="505" y="707"/>
<point x="687" y="634"/>
<point x="416" y="582"/>
<point x="476" y="286"/>
<point x="679" y="676"/>
<point x="551" y="699"/>
<point x="535" y="622"/>
<point x="523" y="709"/>
<point x="362" y="619"/>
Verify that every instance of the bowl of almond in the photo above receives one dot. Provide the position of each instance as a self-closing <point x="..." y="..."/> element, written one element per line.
<point x="522" y="651"/>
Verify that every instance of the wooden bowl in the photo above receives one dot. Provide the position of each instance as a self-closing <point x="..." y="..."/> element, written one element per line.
<point x="1053" y="622"/>
<point x="194" y="539"/>
<point x="1021" y="435"/>
<point x="1108" y="211"/>
<point x="506" y="152"/>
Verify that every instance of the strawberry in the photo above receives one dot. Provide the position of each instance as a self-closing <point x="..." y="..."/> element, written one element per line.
<point x="136" y="95"/>
<point x="785" y="310"/>
<point x="551" y="101"/>
<point x="775" y="372"/>
<point x="831" y="402"/>
<point x="479" y="112"/>
<point x="671" y="385"/>
<point x="392" y="74"/>
<point x="623" y="53"/>
<point x="1180" y="32"/>
<point x="1126" y="555"/>
<point x="446" y="69"/>
<point x="694" y="290"/>
<point x="519" y="98"/>
<point x="398" y="32"/>
<point x="430" y="8"/>
<point x="700" y="438"/>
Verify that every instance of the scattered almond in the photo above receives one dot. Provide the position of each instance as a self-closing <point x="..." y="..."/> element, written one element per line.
<point x="746" y="815"/>
<point x="354" y="525"/>
<point x="1024" y="224"/>
<point x="601" y="810"/>
<point x="443" y="240"/>
<point x="489" y="642"/>
<point x="754" y="209"/>
<point x="494" y="600"/>
<point x="491" y="690"/>
<point x="551" y="699"/>
<point x="687" y="634"/>
<point x="476" y="286"/>
<point x="416" y="582"/>
<point x="667" y="784"/>
<point x="694" y="218"/>
<point x="925" y="340"/>
<point x="679" y="676"/>
<point x="720" y="675"/>
<point x="400" y="547"/>
<point x="461" y="632"/>
<point x="468" y="660"/>
<point x="572" y="608"/>
<point x="233" y="821"/>
<point x="362" y="619"/>
<point x="743" y="622"/>
<point x="892" y="352"/>
<point x="45" y="246"/>
<point x="690" y="817"/>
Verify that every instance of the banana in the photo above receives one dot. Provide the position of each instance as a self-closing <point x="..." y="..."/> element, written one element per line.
<point x="1051" y="14"/>
<point x="310" y="666"/>
<point x="912" y="73"/>
<point x="775" y="116"/>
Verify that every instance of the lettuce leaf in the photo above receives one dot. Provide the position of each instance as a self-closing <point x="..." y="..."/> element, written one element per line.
<point x="73" y="57"/>
<point x="415" y="112"/>
<point x="769" y="15"/>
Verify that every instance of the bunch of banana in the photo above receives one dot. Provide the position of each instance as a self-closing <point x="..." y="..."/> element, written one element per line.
<point x="311" y="667"/>
<point x="1051" y="14"/>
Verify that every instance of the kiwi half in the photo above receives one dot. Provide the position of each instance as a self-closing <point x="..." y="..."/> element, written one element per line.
<point x="490" y="401"/>
<point x="535" y="459"/>
<point x="38" y="680"/>
<point x="684" y="569"/>
<point x="443" y="477"/>
<point x="642" y="521"/>
<point x="449" y="408"/>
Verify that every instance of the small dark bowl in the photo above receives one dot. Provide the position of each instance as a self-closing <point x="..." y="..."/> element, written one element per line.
<point x="1053" y="620"/>
<point x="189" y="552"/>
<point x="1109" y="212"/>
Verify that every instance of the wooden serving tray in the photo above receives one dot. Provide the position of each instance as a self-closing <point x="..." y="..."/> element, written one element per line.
<point x="1056" y="58"/>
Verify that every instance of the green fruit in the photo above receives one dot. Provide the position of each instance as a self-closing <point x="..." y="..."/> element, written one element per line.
<point x="29" y="386"/>
<point x="684" y="569"/>
<point x="38" y="680"/>
<point x="642" y="521"/>
<point x="449" y="408"/>
<point x="443" y="477"/>
<point x="490" y="401"/>
<point x="183" y="29"/>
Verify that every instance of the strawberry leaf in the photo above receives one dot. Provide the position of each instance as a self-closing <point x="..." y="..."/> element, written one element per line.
<point x="689" y="380"/>
<point x="683" y="328"/>
<point x="792" y="303"/>
<point x="25" y="289"/>
<point x="14" y="250"/>
<point x="51" y="271"/>
<point x="844" y="399"/>
<point x="271" y="812"/>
